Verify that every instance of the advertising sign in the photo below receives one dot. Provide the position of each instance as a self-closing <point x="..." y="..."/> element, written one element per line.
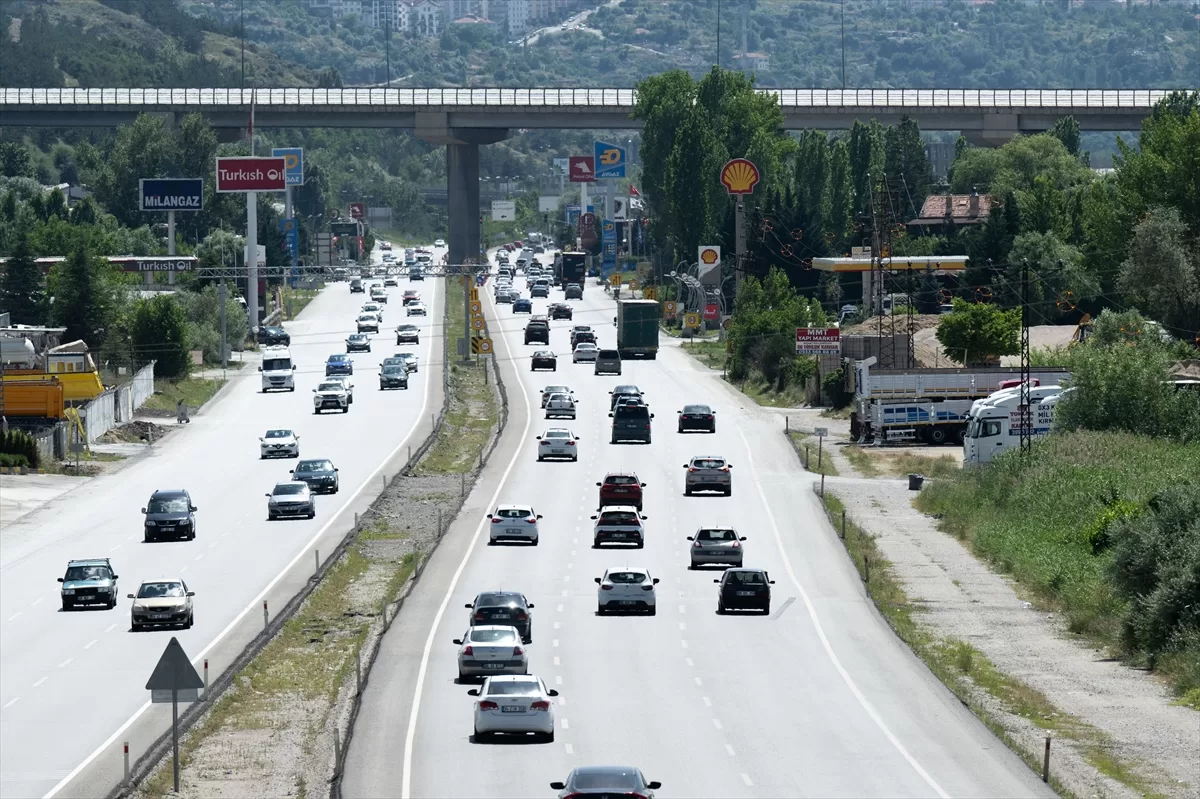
<point x="583" y="169"/>
<point x="181" y="194"/>
<point x="358" y="210"/>
<point x="608" y="241"/>
<point x="860" y="252"/>
<point x="548" y="204"/>
<point x="709" y="259"/>
<point x="620" y="209"/>
<point x="563" y="164"/>
<point x="739" y="176"/>
<point x="504" y="210"/>
<point x="293" y="164"/>
<point x="247" y="173"/>
<point x="291" y="238"/>
<point x="712" y="312"/>
<point x="344" y="228"/>
<point x="170" y="264"/>
<point x="818" y="341"/>
<point x="609" y="160"/>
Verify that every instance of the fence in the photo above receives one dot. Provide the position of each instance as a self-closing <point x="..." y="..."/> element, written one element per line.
<point x="52" y="443"/>
<point x="117" y="405"/>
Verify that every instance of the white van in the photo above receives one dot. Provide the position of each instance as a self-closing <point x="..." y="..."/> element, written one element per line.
<point x="278" y="371"/>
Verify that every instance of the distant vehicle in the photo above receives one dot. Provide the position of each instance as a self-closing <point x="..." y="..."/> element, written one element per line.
<point x="339" y="363"/>
<point x="716" y="545"/>
<point x="582" y="333"/>
<point x="631" y="422"/>
<point x="560" y="406"/>
<point x="408" y="334"/>
<point x="385" y="245"/>
<point x="390" y="281"/>
<point x="439" y="243"/>
<point x="416" y="309"/>
<point x="624" y="393"/>
<point x="744" y="589"/>
<point x="560" y="310"/>
<point x="514" y="523"/>
<point x="169" y="514"/>
<point x="596" y="781"/>
<point x="537" y="331"/>
<point x="574" y="291"/>
<point x="416" y="274"/>
<point x="373" y="308"/>
<point x="331" y="395"/>
<point x="570" y="267"/>
<point x="549" y="391"/>
<point x="320" y="474"/>
<point x="279" y="444"/>
<point x="410" y="360"/>
<point x="411" y="296"/>
<point x="89" y="582"/>
<point x="357" y="287"/>
<point x="512" y="704"/>
<point x="637" y="328"/>
<point x="278" y="371"/>
<point x="345" y="383"/>
<point x="558" y="442"/>
<point x="585" y="352"/>
<point x="368" y="323"/>
<point x="544" y="359"/>
<point x="162" y="603"/>
<point x="357" y="342"/>
<point x="698" y="417"/>
<point x="621" y="488"/>
<point x="393" y="375"/>
<point x="291" y="498"/>
<point x="626" y="588"/>
<point x="379" y="294"/>
<point x="490" y="649"/>
<point x="523" y="305"/>
<point x="503" y="607"/>
<point x="273" y="335"/>
<point x="608" y="362"/>
<point x="708" y="473"/>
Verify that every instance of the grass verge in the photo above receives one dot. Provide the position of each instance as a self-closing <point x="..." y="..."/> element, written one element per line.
<point x="473" y="412"/>
<point x="813" y="457"/>
<point x="195" y="391"/>
<point x="1046" y="523"/>
<point x="296" y="300"/>
<point x="964" y="669"/>
<point x="713" y="354"/>
<point x="897" y="463"/>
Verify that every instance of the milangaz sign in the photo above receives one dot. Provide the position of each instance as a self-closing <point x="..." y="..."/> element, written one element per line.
<point x="171" y="194"/>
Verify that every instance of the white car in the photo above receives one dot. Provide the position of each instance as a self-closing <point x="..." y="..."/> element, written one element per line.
<point x="439" y="243"/>
<point x="491" y="649"/>
<point x="369" y="323"/>
<point x="626" y="588"/>
<point x="514" y="523"/>
<point x="416" y="309"/>
<point x="373" y="308"/>
<point x="346" y="384"/>
<point x="519" y="704"/>
<point x="585" y="352"/>
<point x="279" y="444"/>
<point x="292" y="498"/>
<point x="331" y="395"/>
<point x="558" y="442"/>
<point x="550" y="391"/>
<point x="411" y="362"/>
<point x="560" y="406"/>
<point x="619" y="524"/>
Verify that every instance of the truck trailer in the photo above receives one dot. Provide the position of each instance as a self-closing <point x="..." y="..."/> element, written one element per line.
<point x="637" y="328"/>
<point x="570" y="267"/>
<point x="42" y="399"/>
<point x="995" y="427"/>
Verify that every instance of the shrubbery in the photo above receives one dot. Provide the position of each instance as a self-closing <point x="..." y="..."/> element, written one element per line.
<point x="20" y="446"/>
<point x="762" y="333"/>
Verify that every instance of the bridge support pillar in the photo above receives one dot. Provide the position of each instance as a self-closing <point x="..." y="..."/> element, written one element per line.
<point x="462" y="201"/>
<point x="996" y="131"/>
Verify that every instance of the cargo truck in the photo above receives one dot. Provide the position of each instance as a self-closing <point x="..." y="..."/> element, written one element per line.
<point x="570" y="267"/>
<point x="995" y="426"/>
<point x="33" y="398"/>
<point x="637" y="328"/>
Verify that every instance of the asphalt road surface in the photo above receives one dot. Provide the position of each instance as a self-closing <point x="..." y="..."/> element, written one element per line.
<point x="817" y="699"/>
<point x="69" y="680"/>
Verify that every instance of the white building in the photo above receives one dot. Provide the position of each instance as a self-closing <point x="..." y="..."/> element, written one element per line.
<point x="424" y="17"/>
<point x="511" y="15"/>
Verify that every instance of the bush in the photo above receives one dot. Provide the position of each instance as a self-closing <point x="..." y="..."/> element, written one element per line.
<point x="833" y="386"/>
<point x="20" y="443"/>
<point x="15" y="461"/>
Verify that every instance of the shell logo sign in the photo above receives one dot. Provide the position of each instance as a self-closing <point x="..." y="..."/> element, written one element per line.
<point x="710" y="255"/>
<point x="739" y="176"/>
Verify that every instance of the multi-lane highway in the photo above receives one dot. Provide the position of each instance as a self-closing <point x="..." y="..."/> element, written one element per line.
<point x="818" y="699"/>
<point x="70" y="681"/>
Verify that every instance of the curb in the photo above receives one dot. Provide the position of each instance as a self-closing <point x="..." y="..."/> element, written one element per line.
<point x="20" y="470"/>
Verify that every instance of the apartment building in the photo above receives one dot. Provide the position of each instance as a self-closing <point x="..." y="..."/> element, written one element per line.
<point x="429" y="17"/>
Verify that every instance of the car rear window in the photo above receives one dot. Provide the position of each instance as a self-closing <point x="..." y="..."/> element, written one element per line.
<point x="708" y="463"/>
<point x="512" y="513"/>
<point x="749" y="578"/>
<point x="716" y="535"/>
<point x="495" y="600"/>
<point x="620" y="479"/>
<point x="696" y="409"/>
<point x="492" y="636"/>
<point x="627" y="578"/>
<point x="619" y="517"/>
<point x="557" y="434"/>
<point x="612" y="354"/>
<point x="632" y="412"/>
<point x="624" y="781"/>
<point x="514" y="688"/>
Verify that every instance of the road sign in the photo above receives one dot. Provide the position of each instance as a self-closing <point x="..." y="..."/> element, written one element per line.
<point x="620" y="209"/>
<point x="474" y="294"/>
<point x="691" y="320"/>
<point x="650" y="293"/>
<point x="615" y="279"/>
<point x="248" y="173"/>
<point x="476" y="307"/>
<point x="633" y="284"/>
<point x="709" y="258"/>
<point x="481" y="346"/>
<point x="820" y="432"/>
<point x="818" y="341"/>
<point x="182" y="194"/>
<point x="477" y="323"/>
<point x="669" y="309"/>
<point x="174" y="680"/>
<point x="293" y="163"/>
<point x="548" y="203"/>
<point x="860" y="252"/>
<point x="712" y="312"/>
<point x="609" y="160"/>
<point x="739" y="176"/>
<point x="563" y="164"/>
<point x="344" y="228"/>
<point x="287" y="225"/>
<point x="358" y="210"/>
<point x="504" y="210"/>
<point x="583" y="169"/>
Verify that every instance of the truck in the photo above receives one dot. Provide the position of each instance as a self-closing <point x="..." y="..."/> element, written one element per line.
<point x="637" y="328"/>
<point x="995" y="426"/>
<point x="41" y="398"/>
<point x="928" y="405"/>
<point x="570" y="267"/>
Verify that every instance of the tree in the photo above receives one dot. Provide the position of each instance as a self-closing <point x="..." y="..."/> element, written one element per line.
<point x="330" y="78"/>
<point x="15" y="161"/>
<point x="159" y="332"/>
<point x="979" y="332"/>
<point x="866" y="161"/>
<point x="1164" y="169"/>
<point x="691" y="188"/>
<point x="663" y="103"/>
<point x="1160" y="277"/>
<point x="83" y="297"/>
<point x="841" y="196"/>
<point x="1016" y="165"/>
<point x="144" y="149"/>
<point x="1066" y="130"/>
<point x="21" y="292"/>
<point x="904" y="157"/>
<point x="1058" y="280"/>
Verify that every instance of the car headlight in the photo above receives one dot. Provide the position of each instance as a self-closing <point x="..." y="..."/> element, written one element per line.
<point x="150" y="523"/>
<point x="138" y="608"/>
<point x="68" y="591"/>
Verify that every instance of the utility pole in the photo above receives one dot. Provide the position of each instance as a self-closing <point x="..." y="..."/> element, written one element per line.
<point x="1026" y="414"/>
<point x="843" y="7"/>
<point x="468" y="278"/>
<point x="243" y="37"/>
<point x="221" y="293"/>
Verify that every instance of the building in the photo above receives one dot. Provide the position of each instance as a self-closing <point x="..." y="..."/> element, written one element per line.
<point x="425" y="17"/>
<point x="758" y="62"/>
<point x="511" y="15"/>
<point x="943" y="212"/>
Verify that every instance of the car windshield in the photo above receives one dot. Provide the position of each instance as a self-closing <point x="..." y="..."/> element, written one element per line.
<point x="314" y="466"/>
<point x="749" y="578"/>
<point x="514" y="688"/>
<point x="153" y="590"/>
<point x="358" y="337"/>
<point x="616" y="781"/>
<point x="610" y="355"/>
<point x="498" y="600"/>
<point x="366" y="318"/>
<point x="619" y="517"/>
<point x="289" y="488"/>
<point x="512" y="513"/>
<point x="330" y="387"/>
<point x="407" y="327"/>
<point x="279" y="434"/>
<point x="543" y="354"/>
<point x="627" y="578"/>
<point x="87" y="573"/>
<point x="632" y="412"/>
<point x="394" y="369"/>
<point x="716" y="535"/>
<point x="557" y="434"/>
<point x="477" y="636"/>
<point x="621" y="480"/>
<point x="696" y="409"/>
<point x="708" y="463"/>
<point x="276" y="364"/>
<point x="168" y="505"/>
<point x="556" y="390"/>
<point x="559" y="398"/>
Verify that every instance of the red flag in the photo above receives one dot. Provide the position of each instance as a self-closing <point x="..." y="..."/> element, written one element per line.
<point x="633" y="192"/>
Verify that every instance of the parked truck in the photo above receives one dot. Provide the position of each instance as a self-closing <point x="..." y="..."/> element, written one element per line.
<point x="928" y="405"/>
<point x="637" y="328"/>
<point x="42" y="398"/>
<point x="995" y="425"/>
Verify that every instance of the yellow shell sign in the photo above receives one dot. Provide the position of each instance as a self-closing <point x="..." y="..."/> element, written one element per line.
<point x="739" y="176"/>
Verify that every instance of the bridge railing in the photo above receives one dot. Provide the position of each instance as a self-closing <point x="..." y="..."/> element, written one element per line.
<point x="576" y="98"/>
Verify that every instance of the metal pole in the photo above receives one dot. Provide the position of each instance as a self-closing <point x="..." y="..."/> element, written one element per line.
<point x="843" y="4"/>
<point x="293" y="255"/>
<point x="316" y="561"/>
<point x="206" y="678"/>
<point x="467" y="312"/>
<point x="820" y="449"/>
<point x="739" y="245"/>
<point x="1046" y="762"/>
<point x="171" y="243"/>
<point x="175" y="734"/>
<point x="221" y="292"/>
<point x="266" y="615"/>
<point x="126" y="780"/>
<point x="252" y="258"/>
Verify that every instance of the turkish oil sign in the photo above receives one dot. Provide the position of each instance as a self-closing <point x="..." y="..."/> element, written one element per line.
<point x="818" y="341"/>
<point x="171" y="194"/>
<point x="247" y="173"/>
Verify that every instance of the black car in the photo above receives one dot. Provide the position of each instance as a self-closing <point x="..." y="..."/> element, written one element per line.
<point x="416" y="274"/>
<point x="321" y="476"/>
<point x="631" y="422"/>
<point x="622" y="394"/>
<point x="357" y="287"/>
<point x="744" y="589"/>
<point x="574" y="291"/>
<point x="561" y="310"/>
<point x="393" y="375"/>
<point x="698" y="417"/>
<point x="506" y="608"/>
<point x="358" y="342"/>
<point x="408" y="334"/>
<point x="580" y="334"/>
<point x="273" y="336"/>
<point x="537" y="331"/>
<point x="339" y="364"/>
<point x="170" y="514"/>
<point x="545" y="359"/>
<point x="608" y="781"/>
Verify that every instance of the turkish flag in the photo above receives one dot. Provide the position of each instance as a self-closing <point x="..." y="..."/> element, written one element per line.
<point x="633" y="192"/>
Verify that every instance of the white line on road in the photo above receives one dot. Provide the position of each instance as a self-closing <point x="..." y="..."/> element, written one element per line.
<point x="118" y="546"/>
<point x="699" y="682"/>
<point x="11" y="702"/>
<point x="558" y="679"/>
<point x="110" y="628"/>
<point x="566" y="578"/>
<point x="746" y="779"/>
<point x="200" y="556"/>
<point x="134" y="537"/>
<point x="717" y="724"/>
<point x="15" y="615"/>
<point x="573" y="553"/>
<point x="181" y="571"/>
<point x="690" y="662"/>
<point x="570" y="749"/>
<point x="729" y="749"/>
<point x="557" y="661"/>
<point x="90" y="644"/>
<point x="707" y="701"/>
<point x="39" y="682"/>
<point x="557" y="625"/>
<point x="36" y="602"/>
<point x="571" y="564"/>
<point x="555" y="642"/>
<point x="682" y="625"/>
<point x="560" y="607"/>
<point x="564" y="593"/>
<point x="683" y="644"/>
<point x="566" y="725"/>
<point x="683" y="608"/>
<point x="66" y="662"/>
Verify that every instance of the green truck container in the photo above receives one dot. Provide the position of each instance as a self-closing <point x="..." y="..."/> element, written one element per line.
<point x="637" y="328"/>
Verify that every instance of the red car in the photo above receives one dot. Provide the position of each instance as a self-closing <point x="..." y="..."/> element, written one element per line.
<point x="621" y="488"/>
<point x="518" y="244"/>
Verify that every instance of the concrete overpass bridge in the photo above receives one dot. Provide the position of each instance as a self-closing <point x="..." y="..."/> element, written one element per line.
<point x="462" y="119"/>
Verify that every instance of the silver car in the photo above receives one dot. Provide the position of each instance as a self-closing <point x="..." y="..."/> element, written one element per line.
<point x="293" y="499"/>
<point x="708" y="473"/>
<point x="716" y="545"/>
<point x="491" y="649"/>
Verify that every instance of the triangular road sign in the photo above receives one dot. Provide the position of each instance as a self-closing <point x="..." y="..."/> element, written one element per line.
<point x="174" y="670"/>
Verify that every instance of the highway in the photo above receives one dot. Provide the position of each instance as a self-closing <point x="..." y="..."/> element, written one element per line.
<point x="818" y="699"/>
<point x="70" y="681"/>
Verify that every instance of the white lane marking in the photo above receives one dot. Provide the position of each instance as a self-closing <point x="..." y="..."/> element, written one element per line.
<point x="15" y="615"/>
<point x="557" y="625"/>
<point x="90" y="644"/>
<point x="558" y="679"/>
<point x="200" y="556"/>
<point x="11" y="702"/>
<point x="36" y="602"/>
<point x="256" y="603"/>
<point x="729" y="749"/>
<point x="557" y="661"/>
<point x="828" y="647"/>
<point x="707" y="701"/>
<point x="571" y="565"/>
<point x="135" y="538"/>
<point x="110" y="628"/>
<point x="572" y="553"/>
<point x="682" y="625"/>
<point x="419" y="687"/>
<point x="570" y="749"/>
<point x="684" y="644"/>
<point x="39" y="682"/>
<point x="66" y="663"/>
<point x="118" y="546"/>
<point x="564" y="593"/>
<point x="560" y="607"/>
<point x="212" y="546"/>
<point x="181" y="571"/>
<point x="717" y="724"/>
<point x="555" y="642"/>
<point x="699" y="682"/>
<point x="746" y="779"/>
<point x="566" y="725"/>
<point x="690" y="662"/>
<point x="683" y="608"/>
<point x="566" y="578"/>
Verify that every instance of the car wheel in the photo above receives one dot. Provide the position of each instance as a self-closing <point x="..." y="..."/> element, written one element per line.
<point x="293" y="388"/>
<point x="67" y="604"/>
<point x="191" y="620"/>
<point x="192" y="535"/>
<point x="149" y="539"/>
<point x="600" y="610"/>
<point x="641" y="544"/>
<point x="549" y="737"/>
<point x="316" y="412"/>
<point x="729" y="492"/>
<point x="540" y="459"/>
<point x="135" y="627"/>
<point x="270" y="517"/>
<point x="767" y="609"/>
<point x="692" y="566"/>
<point x="534" y="542"/>
<point x="112" y="603"/>
<point x="687" y="491"/>
<point x="312" y="514"/>
<point x="480" y="737"/>
<point x="613" y="441"/>
<point x="653" y="610"/>
<point x="720" y="609"/>
<point x="680" y="430"/>
<point x="346" y="409"/>
<point x="575" y="459"/>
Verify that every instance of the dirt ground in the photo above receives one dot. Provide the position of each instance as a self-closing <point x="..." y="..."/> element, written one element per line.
<point x="929" y="351"/>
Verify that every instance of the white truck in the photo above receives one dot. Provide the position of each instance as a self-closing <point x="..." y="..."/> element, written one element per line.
<point x="928" y="405"/>
<point x="278" y="371"/>
<point x="995" y="426"/>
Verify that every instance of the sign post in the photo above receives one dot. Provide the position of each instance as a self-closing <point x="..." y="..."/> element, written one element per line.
<point x="171" y="195"/>
<point x="818" y="341"/>
<point x="249" y="175"/>
<point x="739" y="177"/>
<point x="174" y="680"/>
<point x="582" y="170"/>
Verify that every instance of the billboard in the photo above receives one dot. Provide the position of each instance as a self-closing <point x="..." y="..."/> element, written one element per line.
<point x="358" y="210"/>
<point x="583" y="169"/>
<point x="709" y="261"/>
<point x="247" y="173"/>
<point x="818" y="341"/>
<point x="343" y="228"/>
<point x="563" y="165"/>
<point x="548" y="204"/>
<point x="609" y="160"/>
<point x="293" y="164"/>
<point x="504" y="210"/>
<point x="171" y="194"/>
<point x="608" y="241"/>
<point x="620" y="209"/>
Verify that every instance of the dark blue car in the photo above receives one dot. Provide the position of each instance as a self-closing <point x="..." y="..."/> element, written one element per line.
<point x="339" y="364"/>
<point x="523" y="305"/>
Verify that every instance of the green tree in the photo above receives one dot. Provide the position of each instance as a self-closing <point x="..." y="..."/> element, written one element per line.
<point x="15" y="161"/>
<point x="1066" y="130"/>
<point x="1160" y="277"/>
<point x="866" y="161"/>
<point x="21" y="292"/>
<point x="83" y="297"/>
<point x="159" y="332"/>
<point x="144" y="149"/>
<point x="979" y="332"/>
<point x="1016" y="165"/>
<point x="664" y="102"/>
<point x="904" y="157"/>
<point x="1058" y="280"/>
<point x="692" y="191"/>
<point x="841" y="196"/>
<point x="1164" y="169"/>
